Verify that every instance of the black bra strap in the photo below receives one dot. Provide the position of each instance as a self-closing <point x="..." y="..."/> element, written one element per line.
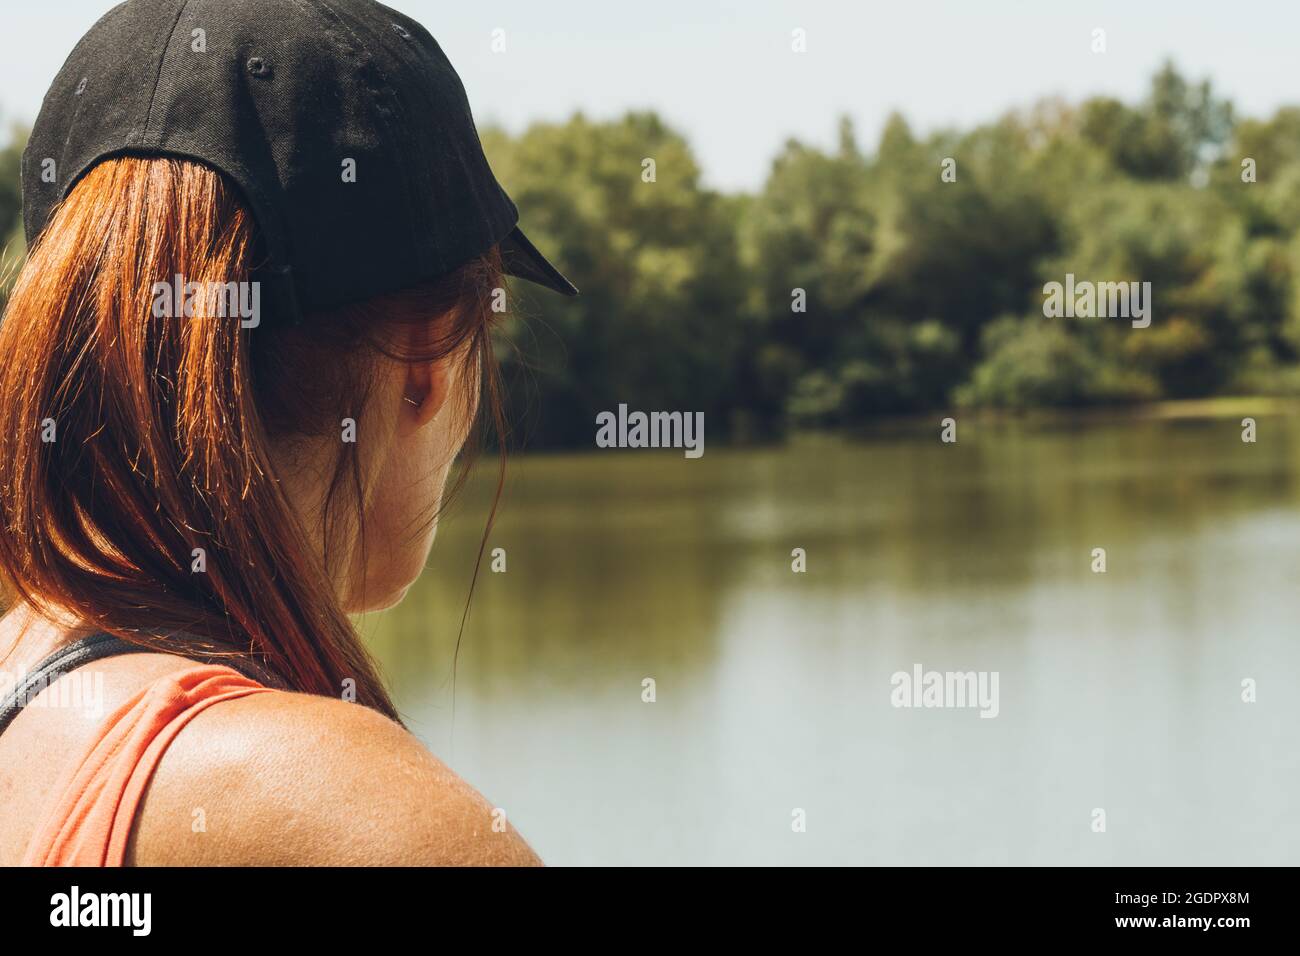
<point x="96" y="647"/>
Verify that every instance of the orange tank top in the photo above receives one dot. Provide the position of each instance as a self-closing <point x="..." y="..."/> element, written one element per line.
<point x="90" y="822"/>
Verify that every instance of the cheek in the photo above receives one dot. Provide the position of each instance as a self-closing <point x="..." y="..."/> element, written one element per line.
<point x="400" y="523"/>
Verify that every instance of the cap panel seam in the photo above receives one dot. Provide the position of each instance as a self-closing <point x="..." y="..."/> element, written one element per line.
<point x="162" y="60"/>
<point x="335" y="21"/>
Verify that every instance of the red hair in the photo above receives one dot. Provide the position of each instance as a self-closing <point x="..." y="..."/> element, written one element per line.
<point x="163" y="427"/>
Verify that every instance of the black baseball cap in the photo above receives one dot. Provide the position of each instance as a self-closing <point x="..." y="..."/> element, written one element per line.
<point x="341" y="121"/>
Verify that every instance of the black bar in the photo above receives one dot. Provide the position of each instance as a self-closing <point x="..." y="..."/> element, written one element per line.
<point x="232" y="907"/>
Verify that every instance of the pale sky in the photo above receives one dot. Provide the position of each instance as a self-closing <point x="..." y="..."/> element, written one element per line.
<point x="722" y="71"/>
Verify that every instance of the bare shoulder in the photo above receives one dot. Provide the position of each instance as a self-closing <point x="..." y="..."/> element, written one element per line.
<point x="294" y="779"/>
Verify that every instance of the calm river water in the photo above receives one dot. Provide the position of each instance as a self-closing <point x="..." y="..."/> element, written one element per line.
<point x="1120" y="691"/>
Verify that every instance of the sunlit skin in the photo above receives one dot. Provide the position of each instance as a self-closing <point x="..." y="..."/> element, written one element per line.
<point x="289" y="778"/>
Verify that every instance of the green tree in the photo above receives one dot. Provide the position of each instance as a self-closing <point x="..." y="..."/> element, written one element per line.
<point x="656" y="324"/>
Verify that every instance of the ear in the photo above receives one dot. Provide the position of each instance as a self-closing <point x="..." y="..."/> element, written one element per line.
<point x="425" y="391"/>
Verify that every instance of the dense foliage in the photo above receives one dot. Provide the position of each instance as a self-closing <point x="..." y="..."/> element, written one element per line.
<point x="921" y="294"/>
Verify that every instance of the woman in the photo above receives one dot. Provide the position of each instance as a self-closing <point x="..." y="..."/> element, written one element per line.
<point x="250" y="338"/>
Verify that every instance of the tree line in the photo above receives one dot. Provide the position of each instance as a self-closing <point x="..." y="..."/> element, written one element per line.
<point x="909" y="278"/>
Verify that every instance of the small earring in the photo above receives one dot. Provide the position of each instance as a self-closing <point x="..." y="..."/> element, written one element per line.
<point x="408" y="398"/>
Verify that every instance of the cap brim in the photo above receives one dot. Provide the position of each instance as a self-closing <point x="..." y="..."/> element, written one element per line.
<point x="521" y="259"/>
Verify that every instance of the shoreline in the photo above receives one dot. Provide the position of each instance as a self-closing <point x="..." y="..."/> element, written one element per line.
<point x="1219" y="409"/>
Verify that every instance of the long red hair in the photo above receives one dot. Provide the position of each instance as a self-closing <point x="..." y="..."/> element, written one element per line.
<point x="163" y="428"/>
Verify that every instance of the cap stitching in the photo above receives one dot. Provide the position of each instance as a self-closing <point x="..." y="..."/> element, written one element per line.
<point x="162" y="60"/>
<point x="418" y="240"/>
